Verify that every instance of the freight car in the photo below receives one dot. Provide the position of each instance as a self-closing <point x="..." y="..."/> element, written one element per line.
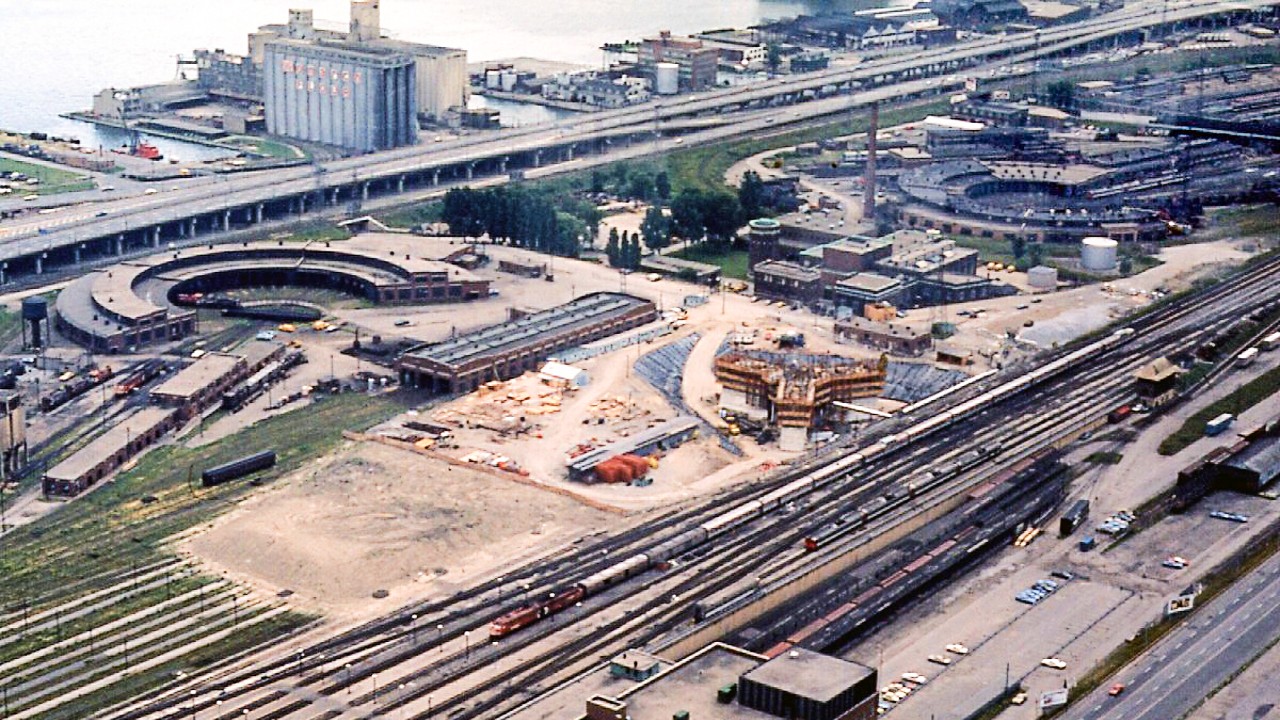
<point x="1073" y="517"/>
<point x="143" y="373"/>
<point x="238" y="468"/>
<point x="76" y="387"/>
<point x="801" y="486"/>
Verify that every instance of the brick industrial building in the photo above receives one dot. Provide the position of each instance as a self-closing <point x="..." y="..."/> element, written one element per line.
<point x="112" y="310"/>
<point x="504" y="351"/>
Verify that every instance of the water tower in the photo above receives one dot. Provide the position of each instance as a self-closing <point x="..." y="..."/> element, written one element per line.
<point x="35" y="310"/>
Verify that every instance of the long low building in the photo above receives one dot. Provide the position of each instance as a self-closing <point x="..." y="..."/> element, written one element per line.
<point x="109" y="451"/>
<point x="119" y="308"/>
<point x="667" y="436"/>
<point x="500" y="352"/>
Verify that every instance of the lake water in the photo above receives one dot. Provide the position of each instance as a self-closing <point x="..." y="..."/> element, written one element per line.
<point x="58" y="53"/>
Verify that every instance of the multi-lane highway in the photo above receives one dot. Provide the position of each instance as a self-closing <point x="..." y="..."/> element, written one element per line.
<point x="249" y="198"/>
<point x="1178" y="673"/>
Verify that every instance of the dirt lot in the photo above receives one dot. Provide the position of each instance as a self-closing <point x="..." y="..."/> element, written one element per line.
<point x="374" y="517"/>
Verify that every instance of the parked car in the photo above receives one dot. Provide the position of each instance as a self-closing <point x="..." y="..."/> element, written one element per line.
<point x="1054" y="663"/>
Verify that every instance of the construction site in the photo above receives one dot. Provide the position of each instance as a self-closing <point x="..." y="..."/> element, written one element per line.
<point x="796" y="392"/>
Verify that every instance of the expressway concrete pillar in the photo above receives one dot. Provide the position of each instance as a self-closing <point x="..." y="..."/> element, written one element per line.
<point x="435" y="177"/>
<point x="333" y="198"/>
<point x="302" y="204"/>
<point x="120" y="244"/>
<point x="226" y="220"/>
<point x="78" y="248"/>
<point x="182" y="228"/>
<point x="155" y="236"/>
<point x="192" y="233"/>
<point x="40" y="264"/>
<point x="471" y="170"/>
<point x="3" y="269"/>
<point x="364" y="189"/>
<point x="399" y="185"/>
<point x="537" y="158"/>
<point x="568" y="153"/>
<point x="258" y="210"/>
<point x="502" y="165"/>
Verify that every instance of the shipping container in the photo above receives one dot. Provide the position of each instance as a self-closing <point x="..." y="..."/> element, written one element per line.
<point x="1073" y="517"/>
<point x="1219" y="424"/>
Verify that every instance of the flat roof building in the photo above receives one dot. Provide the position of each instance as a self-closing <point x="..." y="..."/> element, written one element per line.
<point x="503" y="351"/>
<point x="783" y="280"/>
<point x="864" y="288"/>
<point x="807" y="685"/>
<point x="109" y="451"/>
<point x="357" y="96"/>
<point x="722" y="682"/>
<point x="897" y="338"/>
<point x="201" y="383"/>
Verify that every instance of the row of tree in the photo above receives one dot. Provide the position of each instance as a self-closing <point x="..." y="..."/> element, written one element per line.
<point x="623" y="250"/>
<point x="521" y="217"/>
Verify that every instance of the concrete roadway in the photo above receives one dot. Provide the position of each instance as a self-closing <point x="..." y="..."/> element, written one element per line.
<point x="128" y="214"/>
<point x="1172" y="678"/>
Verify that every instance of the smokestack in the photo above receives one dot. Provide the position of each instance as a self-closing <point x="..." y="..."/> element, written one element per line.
<point x="869" y="200"/>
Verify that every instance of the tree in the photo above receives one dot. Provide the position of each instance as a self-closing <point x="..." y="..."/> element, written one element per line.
<point x="662" y="184"/>
<point x="1126" y="265"/>
<point x="721" y="216"/>
<point x="1019" y="244"/>
<point x="641" y="186"/>
<point x="656" y="229"/>
<point x="774" y="58"/>
<point x="613" y="248"/>
<point x="751" y="194"/>
<point x="1061" y="94"/>
<point x="1035" y="254"/>
<point x="686" y="216"/>
<point x="597" y="181"/>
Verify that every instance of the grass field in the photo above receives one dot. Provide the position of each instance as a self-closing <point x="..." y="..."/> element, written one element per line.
<point x="52" y="180"/>
<point x="732" y="263"/>
<point x="412" y="216"/>
<point x="703" y="168"/>
<point x="269" y="148"/>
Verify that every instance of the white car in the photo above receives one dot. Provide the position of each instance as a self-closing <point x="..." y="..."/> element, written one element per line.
<point x="916" y="678"/>
<point x="1054" y="663"/>
<point x="958" y="649"/>
<point x="940" y="659"/>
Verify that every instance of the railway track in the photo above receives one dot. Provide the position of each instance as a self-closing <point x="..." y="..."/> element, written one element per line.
<point x="411" y="680"/>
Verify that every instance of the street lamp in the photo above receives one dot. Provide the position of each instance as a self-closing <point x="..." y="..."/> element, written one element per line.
<point x="413" y="627"/>
<point x="466" y="638"/>
<point x="440" y="637"/>
<point x="347" y="667"/>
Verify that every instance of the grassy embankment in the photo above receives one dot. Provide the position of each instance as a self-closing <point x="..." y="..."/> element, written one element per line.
<point x="1246" y="396"/>
<point x="52" y="180"/>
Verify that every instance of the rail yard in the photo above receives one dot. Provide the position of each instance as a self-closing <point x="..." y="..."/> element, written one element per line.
<point x="543" y="622"/>
<point x="741" y="404"/>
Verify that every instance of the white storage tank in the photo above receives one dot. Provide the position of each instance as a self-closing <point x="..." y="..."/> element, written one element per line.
<point x="1041" y="277"/>
<point x="1098" y="254"/>
<point x="509" y="78"/>
<point x="492" y="78"/>
<point x="666" y="79"/>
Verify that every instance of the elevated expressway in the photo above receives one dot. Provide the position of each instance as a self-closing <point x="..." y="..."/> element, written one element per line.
<point x="124" y="225"/>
